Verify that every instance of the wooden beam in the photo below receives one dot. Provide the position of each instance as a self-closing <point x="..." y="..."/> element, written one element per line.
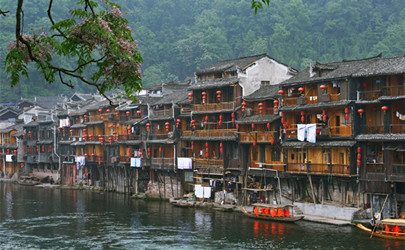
<point x="312" y="188"/>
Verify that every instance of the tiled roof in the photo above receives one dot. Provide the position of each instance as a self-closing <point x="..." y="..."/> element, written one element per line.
<point x="316" y="106"/>
<point x="213" y="83"/>
<point x="258" y="119"/>
<point x="174" y="97"/>
<point x="304" y="144"/>
<point x="380" y="137"/>
<point x="354" y="68"/>
<point x="263" y="93"/>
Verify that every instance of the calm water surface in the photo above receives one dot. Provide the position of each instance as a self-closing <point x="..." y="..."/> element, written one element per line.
<point x="37" y="218"/>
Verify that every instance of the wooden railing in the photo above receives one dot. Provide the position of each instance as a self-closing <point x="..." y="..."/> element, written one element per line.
<point x="375" y="167"/>
<point x="158" y="136"/>
<point x="128" y="137"/>
<point x="343" y="131"/>
<point x="397" y="128"/>
<point x="274" y="165"/>
<point x="258" y="136"/>
<point x="394" y="90"/>
<point x="185" y="110"/>
<point x="319" y="168"/>
<point x="165" y="112"/>
<point x="214" y="106"/>
<point x="368" y="95"/>
<point x="334" y="97"/>
<point x="207" y="163"/>
<point x="167" y="162"/>
<point x="124" y="159"/>
<point x="373" y="129"/>
<point x="290" y="101"/>
<point x="211" y="133"/>
<point x="94" y="158"/>
<point x="398" y="169"/>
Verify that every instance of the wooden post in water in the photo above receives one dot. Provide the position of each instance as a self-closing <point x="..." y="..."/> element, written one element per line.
<point x="312" y="189"/>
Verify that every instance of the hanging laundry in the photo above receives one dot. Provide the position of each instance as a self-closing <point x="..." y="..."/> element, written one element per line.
<point x="301" y="132"/>
<point x="311" y="132"/>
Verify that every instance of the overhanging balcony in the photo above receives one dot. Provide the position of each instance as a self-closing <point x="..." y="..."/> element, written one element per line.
<point x="318" y="168"/>
<point x="263" y="137"/>
<point x="209" y="107"/>
<point x="394" y="90"/>
<point x="211" y="133"/>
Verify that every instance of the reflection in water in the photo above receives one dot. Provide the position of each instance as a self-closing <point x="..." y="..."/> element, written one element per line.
<point x="68" y="219"/>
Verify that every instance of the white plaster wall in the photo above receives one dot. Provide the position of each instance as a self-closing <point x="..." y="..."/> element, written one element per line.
<point x="265" y="69"/>
<point x="328" y="211"/>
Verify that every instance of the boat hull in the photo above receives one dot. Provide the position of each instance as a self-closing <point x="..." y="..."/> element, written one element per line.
<point x="379" y="233"/>
<point x="269" y="218"/>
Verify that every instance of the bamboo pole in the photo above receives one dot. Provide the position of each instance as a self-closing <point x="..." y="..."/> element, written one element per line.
<point x="375" y="225"/>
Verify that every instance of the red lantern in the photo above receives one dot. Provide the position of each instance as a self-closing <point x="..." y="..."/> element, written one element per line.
<point x="276" y="102"/>
<point x="324" y="112"/>
<point x="281" y="92"/>
<point x="100" y="110"/>
<point x="86" y="155"/>
<point x="43" y="148"/>
<point x="140" y="153"/>
<point x="237" y="126"/>
<point x="23" y="136"/>
<point x="301" y="89"/>
<point x="322" y="87"/>
<point x="253" y="126"/>
<point x="167" y="125"/>
<point x="233" y="115"/>
<point x="221" y="150"/>
<point x="346" y="110"/>
<point x="302" y="113"/>
<point x="272" y="141"/>
<point x="359" y="150"/>
<point x="148" y="127"/>
<point x="219" y="95"/>
<point x="324" y="118"/>
<point x="71" y="132"/>
<point x="358" y="156"/>
<point x="282" y="120"/>
<point x="99" y="160"/>
<point x="360" y="111"/>
<point x="243" y="106"/>
<point x="260" y="107"/>
<point x="128" y="113"/>
<point x="160" y="149"/>
<point x="254" y="143"/>
<point x="268" y="125"/>
<point x="110" y="139"/>
<point x="129" y="151"/>
<point x="220" y="122"/>
<point x="50" y="148"/>
<point x="37" y="148"/>
<point x="204" y="96"/>
<point x="108" y="110"/>
<point x="358" y="163"/>
<point x="220" y="117"/>
<point x="302" y="118"/>
<point x="206" y="155"/>
<point x="346" y="117"/>
<point x="192" y="145"/>
<point x="138" y="112"/>
<point x="364" y="84"/>
<point x="384" y="108"/>
<point x="190" y="97"/>
<point x="282" y="114"/>
<point x="30" y="134"/>
<point x="206" y="144"/>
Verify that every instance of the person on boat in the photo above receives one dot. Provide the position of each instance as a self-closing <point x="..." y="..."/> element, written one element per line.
<point x="373" y="221"/>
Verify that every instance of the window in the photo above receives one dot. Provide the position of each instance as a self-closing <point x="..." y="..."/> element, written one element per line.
<point x="235" y="150"/>
<point x="276" y="154"/>
<point x="265" y="83"/>
<point x="188" y="176"/>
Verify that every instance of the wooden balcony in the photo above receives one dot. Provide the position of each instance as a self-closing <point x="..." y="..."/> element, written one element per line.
<point x="263" y="137"/>
<point x="368" y="95"/>
<point x="94" y="159"/>
<point x="185" y="111"/>
<point x="341" y="131"/>
<point x="394" y="90"/>
<point x="397" y="128"/>
<point x="124" y="159"/>
<point x="276" y="165"/>
<point x="162" y="162"/>
<point x="158" y="137"/>
<point x="211" y="133"/>
<point x="375" y="168"/>
<point x="214" y="106"/>
<point x="398" y="169"/>
<point x="338" y="131"/>
<point x="208" y="163"/>
<point x="128" y="137"/>
<point x="318" y="168"/>
<point x="159" y="113"/>
<point x="300" y="100"/>
<point x="373" y="129"/>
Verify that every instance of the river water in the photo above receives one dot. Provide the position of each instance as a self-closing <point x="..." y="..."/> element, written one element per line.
<point x="38" y="218"/>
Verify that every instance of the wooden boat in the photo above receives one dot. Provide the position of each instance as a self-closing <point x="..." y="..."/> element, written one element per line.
<point x="393" y="229"/>
<point x="281" y="213"/>
<point x="28" y="181"/>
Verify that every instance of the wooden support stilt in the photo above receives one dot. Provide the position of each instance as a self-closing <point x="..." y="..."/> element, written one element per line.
<point x="312" y="188"/>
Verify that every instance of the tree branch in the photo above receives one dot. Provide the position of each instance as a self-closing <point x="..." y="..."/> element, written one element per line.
<point x="63" y="82"/>
<point x="4" y="12"/>
<point x="51" y="19"/>
<point x="88" y="5"/>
